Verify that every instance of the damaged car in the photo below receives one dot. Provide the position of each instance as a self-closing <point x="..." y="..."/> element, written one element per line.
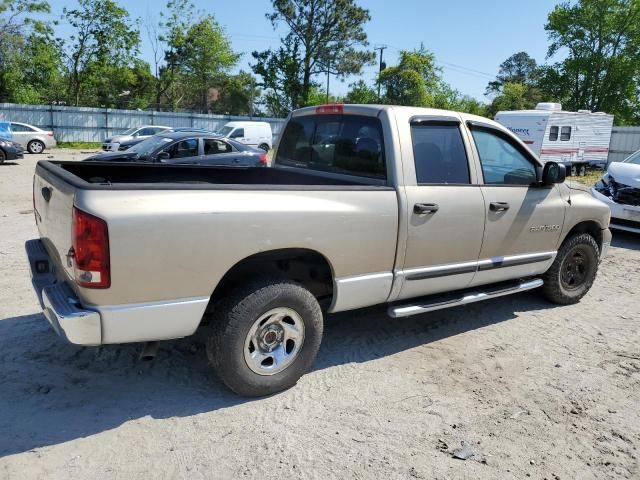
<point x="619" y="188"/>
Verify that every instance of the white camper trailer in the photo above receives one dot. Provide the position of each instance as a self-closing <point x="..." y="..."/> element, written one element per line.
<point x="576" y="139"/>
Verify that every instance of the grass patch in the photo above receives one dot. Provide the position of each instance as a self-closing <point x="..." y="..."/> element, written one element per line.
<point x="80" y="145"/>
<point x="590" y="178"/>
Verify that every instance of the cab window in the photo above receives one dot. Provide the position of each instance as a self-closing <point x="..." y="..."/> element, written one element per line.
<point x="502" y="162"/>
<point x="343" y="143"/>
<point x="237" y="133"/>
<point x="439" y="155"/>
<point x="213" y="146"/>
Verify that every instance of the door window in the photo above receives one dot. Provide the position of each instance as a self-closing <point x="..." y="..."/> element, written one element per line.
<point x="17" y="128"/>
<point x="183" y="149"/>
<point x="565" y="134"/>
<point x="502" y="163"/>
<point x="213" y="146"/>
<point x="237" y="133"/>
<point x="439" y="155"/>
<point x="553" y="134"/>
<point x="146" y="132"/>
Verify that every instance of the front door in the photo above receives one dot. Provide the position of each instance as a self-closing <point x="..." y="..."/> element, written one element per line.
<point x="523" y="219"/>
<point x="445" y="212"/>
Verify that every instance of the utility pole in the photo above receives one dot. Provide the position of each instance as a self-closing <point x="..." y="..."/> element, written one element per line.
<point x="382" y="48"/>
<point x="328" y="74"/>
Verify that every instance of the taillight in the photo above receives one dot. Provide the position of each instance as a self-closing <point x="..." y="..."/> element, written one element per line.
<point x="50" y="134"/>
<point x="330" y="108"/>
<point x="263" y="159"/>
<point x="91" y="250"/>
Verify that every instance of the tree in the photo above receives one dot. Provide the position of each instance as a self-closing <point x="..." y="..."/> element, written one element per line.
<point x="281" y="72"/>
<point x="601" y="71"/>
<point x="413" y="81"/>
<point x="206" y="57"/>
<point x="514" y="96"/>
<point x="362" y="93"/>
<point x="518" y="68"/>
<point x="328" y="36"/>
<point x="103" y="38"/>
<point x="237" y="95"/>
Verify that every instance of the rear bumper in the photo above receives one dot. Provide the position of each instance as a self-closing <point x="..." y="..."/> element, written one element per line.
<point x="60" y="306"/>
<point x="108" y="324"/>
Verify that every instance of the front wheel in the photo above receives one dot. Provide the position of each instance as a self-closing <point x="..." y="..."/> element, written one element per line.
<point x="265" y="336"/>
<point x="573" y="271"/>
<point x="264" y="147"/>
<point x="3" y="156"/>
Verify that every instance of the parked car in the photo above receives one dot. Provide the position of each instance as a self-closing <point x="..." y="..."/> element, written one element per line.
<point x="256" y="134"/>
<point x="125" y="145"/>
<point x="619" y="188"/>
<point x="5" y="130"/>
<point x="10" y="150"/>
<point x="33" y="139"/>
<point x="187" y="147"/>
<point x="141" y="133"/>
<point x="417" y="208"/>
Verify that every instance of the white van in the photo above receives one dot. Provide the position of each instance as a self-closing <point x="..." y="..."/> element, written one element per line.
<point x="256" y="134"/>
<point x="576" y="139"/>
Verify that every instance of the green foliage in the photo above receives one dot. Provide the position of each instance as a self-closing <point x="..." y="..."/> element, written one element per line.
<point x="513" y="97"/>
<point x="361" y="93"/>
<point x="518" y="68"/>
<point x="326" y="34"/>
<point x="601" y="71"/>
<point x="237" y="95"/>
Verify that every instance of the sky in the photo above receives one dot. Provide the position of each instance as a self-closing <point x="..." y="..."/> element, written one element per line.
<point x="470" y="38"/>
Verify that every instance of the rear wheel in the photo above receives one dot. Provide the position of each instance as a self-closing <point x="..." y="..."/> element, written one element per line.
<point x="264" y="147"/>
<point x="35" y="146"/>
<point x="573" y="270"/>
<point x="265" y="336"/>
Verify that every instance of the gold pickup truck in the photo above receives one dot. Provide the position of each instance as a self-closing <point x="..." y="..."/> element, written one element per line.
<point x="418" y="209"/>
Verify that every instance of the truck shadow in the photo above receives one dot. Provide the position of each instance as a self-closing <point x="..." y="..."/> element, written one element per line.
<point x="52" y="392"/>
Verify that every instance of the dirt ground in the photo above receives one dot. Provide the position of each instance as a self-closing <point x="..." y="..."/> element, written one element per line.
<point x="533" y="390"/>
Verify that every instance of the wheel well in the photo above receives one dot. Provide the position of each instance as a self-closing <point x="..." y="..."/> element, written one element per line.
<point x="590" y="227"/>
<point x="307" y="267"/>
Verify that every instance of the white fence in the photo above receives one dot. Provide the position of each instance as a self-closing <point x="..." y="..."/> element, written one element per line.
<point x="83" y="124"/>
<point x="624" y="141"/>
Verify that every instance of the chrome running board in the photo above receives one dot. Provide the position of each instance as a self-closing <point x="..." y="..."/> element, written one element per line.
<point x="439" y="302"/>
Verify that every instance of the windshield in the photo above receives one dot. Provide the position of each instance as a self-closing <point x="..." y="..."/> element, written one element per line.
<point x="635" y="158"/>
<point x="130" y="131"/>
<point x="148" y="146"/>
<point x="224" y="131"/>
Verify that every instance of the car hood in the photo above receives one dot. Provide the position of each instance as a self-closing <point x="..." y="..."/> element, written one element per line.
<point x="573" y="185"/>
<point x="625" y="173"/>
<point x="108" y="156"/>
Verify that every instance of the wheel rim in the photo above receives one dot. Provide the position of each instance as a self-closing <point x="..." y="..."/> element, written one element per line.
<point x="274" y="341"/>
<point x="37" y="147"/>
<point x="575" y="269"/>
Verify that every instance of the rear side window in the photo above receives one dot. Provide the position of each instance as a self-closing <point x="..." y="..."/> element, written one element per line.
<point x="439" y="154"/>
<point x="346" y="144"/>
<point x="553" y="134"/>
<point x="565" y="134"/>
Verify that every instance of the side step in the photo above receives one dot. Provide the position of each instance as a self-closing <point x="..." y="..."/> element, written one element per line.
<point x="438" y="302"/>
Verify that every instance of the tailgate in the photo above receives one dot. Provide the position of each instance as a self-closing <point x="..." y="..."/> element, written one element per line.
<point x="53" y="205"/>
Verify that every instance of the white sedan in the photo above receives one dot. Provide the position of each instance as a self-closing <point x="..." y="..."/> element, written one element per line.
<point x="619" y="188"/>
<point x="32" y="139"/>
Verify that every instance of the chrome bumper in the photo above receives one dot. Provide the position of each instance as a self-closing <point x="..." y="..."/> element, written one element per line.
<point x="60" y="305"/>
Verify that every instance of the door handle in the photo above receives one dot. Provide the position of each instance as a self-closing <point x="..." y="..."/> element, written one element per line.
<point x="498" y="206"/>
<point x="422" y="208"/>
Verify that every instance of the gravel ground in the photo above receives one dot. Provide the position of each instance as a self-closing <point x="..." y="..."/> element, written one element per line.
<point x="531" y="389"/>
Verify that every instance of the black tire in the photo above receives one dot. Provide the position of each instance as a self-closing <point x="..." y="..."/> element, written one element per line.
<point x="573" y="271"/>
<point x="233" y="319"/>
<point x="3" y="156"/>
<point x="264" y="147"/>
<point x="35" y="146"/>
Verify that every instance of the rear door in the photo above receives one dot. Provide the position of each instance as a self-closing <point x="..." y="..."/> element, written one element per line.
<point x="523" y="220"/>
<point x="22" y="133"/>
<point x="445" y="208"/>
<point x="218" y="152"/>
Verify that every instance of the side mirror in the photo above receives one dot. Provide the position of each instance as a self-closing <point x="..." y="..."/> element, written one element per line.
<point x="553" y="173"/>
<point x="163" y="156"/>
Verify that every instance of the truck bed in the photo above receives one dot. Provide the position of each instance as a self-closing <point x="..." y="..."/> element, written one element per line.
<point x="132" y="176"/>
